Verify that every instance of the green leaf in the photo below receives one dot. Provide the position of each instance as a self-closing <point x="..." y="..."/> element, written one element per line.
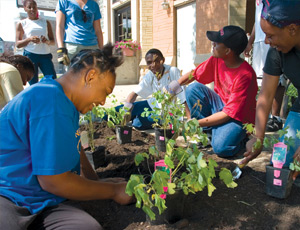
<point x="149" y="212"/>
<point x="153" y="151"/>
<point x="169" y="162"/>
<point x="210" y="189"/>
<point x="227" y="178"/>
<point x="160" y="204"/>
<point x="191" y="159"/>
<point x="140" y="158"/>
<point x="171" y="188"/>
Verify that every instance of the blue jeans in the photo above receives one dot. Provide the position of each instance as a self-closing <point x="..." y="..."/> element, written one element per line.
<point x="139" y="122"/>
<point x="227" y="138"/>
<point x="42" y="61"/>
<point x="293" y="122"/>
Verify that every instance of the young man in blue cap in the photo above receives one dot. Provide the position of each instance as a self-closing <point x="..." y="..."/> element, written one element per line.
<point x="281" y="23"/>
<point x="232" y="103"/>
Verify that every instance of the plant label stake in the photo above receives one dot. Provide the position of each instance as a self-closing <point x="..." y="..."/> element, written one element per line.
<point x="160" y="165"/>
<point x="278" y="160"/>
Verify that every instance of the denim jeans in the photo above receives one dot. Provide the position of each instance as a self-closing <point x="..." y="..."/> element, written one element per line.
<point x="293" y="122"/>
<point x="227" y="138"/>
<point x="42" y="61"/>
<point x="139" y="122"/>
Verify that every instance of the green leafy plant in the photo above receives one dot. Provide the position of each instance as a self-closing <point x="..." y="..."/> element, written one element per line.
<point x="115" y="117"/>
<point x="295" y="165"/>
<point x="191" y="172"/>
<point x="169" y="112"/>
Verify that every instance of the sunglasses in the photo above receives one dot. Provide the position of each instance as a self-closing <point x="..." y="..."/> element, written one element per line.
<point x="84" y="17"/>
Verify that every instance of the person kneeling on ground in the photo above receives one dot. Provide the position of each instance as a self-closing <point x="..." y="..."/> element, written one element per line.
<point x="42" y="163"/>
<point x="15" y="71"/>
<point x="281" y="23"/>
<point x="223" y="112"/>
<point x="159" y="76"/>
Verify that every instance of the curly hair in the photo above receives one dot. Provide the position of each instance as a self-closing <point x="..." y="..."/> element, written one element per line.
<point x="16" y="60"/>
<point x="106" y="59"/>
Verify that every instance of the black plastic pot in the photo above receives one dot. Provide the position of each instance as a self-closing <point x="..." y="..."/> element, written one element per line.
<point x="96" y="158"/>
<point x="160" y="138"/>
<point x="123" y="134"/>
<point x="175" y="210"/>
<point x="278" y="186"/>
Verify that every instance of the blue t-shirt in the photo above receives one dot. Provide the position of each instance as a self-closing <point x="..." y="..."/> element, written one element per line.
<point x="76" y="30"/>
<point x="39" y="136"/>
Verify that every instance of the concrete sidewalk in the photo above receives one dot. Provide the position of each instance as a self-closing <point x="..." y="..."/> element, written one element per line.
<point x="121" y="92"/>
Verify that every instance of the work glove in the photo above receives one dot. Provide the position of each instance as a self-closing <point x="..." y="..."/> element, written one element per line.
<point x="127" y="108"/>
<point x="173" y="88"/>
<point x="62" y="56"/>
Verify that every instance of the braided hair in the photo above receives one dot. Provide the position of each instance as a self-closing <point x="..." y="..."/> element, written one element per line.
<point x="106" y="59"/>
<point x="16" y="60"/>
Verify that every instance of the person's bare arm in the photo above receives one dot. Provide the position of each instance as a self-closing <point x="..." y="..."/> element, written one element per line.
<point x="98" y="31"/>
<point x="75" y="187"/>
<point x="250" y="43"/>
<point x="186" y="78"/>
<point x="51" y="40"/>
<point x="214" y="119"/>
<point x="60" y="28"/>
<point x="131" y="97"/>
<point x="263" y="108"/>
<point x="20" y="42"/>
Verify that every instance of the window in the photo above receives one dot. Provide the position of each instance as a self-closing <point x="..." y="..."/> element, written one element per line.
<point x="123" y="23"/>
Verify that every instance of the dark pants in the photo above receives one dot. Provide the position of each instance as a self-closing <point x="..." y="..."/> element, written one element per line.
<point x="62" y="216"/>
<point x="139" y="122"/>
<point x="42" y="61"/>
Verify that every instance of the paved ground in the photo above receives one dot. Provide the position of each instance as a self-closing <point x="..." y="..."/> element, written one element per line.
<point x="121" y="92"/>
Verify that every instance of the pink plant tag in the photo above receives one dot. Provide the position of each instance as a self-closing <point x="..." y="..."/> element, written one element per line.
<point x="125" y="131"/>
<point x="277" y="182"/>
<point x="277" y="173"/>
<point x="161" y="138"/>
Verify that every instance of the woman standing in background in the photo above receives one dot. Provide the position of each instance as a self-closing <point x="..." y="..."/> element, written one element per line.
<point x="77" y="27"/>
<point x="35" y="35"/>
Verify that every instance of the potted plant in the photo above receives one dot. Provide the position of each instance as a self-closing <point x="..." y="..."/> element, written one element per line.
<point x="96" y="155"/>
<point x="168" y="116"/>
<point x="186" y="171"/>
<point x="278" y="179"/>
<point x="116" y="118"/>
<point x="128" y="47"/>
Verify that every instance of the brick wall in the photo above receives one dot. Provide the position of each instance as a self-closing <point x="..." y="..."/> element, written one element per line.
<point x="146" y="26"/>
<point x="164" y="28"/>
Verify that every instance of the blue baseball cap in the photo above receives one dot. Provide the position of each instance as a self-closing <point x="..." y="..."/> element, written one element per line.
<point x="281" y="12"/>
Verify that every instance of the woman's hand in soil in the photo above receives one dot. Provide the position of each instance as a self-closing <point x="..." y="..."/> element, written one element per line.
<point x="120" y="196"/>
<point x="252" y="150"/>
<point x="297" y="158"/>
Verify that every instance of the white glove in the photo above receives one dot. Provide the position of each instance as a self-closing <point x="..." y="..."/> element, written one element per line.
<point x="173" y="88"/>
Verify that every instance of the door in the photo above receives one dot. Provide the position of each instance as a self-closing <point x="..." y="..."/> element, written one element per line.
<point x="186" y="37"/>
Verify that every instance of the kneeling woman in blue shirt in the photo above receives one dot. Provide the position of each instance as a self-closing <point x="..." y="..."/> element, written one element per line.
<point x="42" y="163"/>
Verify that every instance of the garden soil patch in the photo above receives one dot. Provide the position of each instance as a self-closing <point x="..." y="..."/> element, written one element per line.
<point x="244" y="207"/>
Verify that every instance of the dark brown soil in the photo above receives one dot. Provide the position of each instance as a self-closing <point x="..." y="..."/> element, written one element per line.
<point x="245" y="207"/>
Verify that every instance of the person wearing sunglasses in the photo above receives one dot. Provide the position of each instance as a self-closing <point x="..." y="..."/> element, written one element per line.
<point x="43" y="166"/>
<point x="77" y="27"/>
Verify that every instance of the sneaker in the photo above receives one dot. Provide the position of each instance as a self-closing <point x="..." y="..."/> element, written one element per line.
<point x="273" y="124"/>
